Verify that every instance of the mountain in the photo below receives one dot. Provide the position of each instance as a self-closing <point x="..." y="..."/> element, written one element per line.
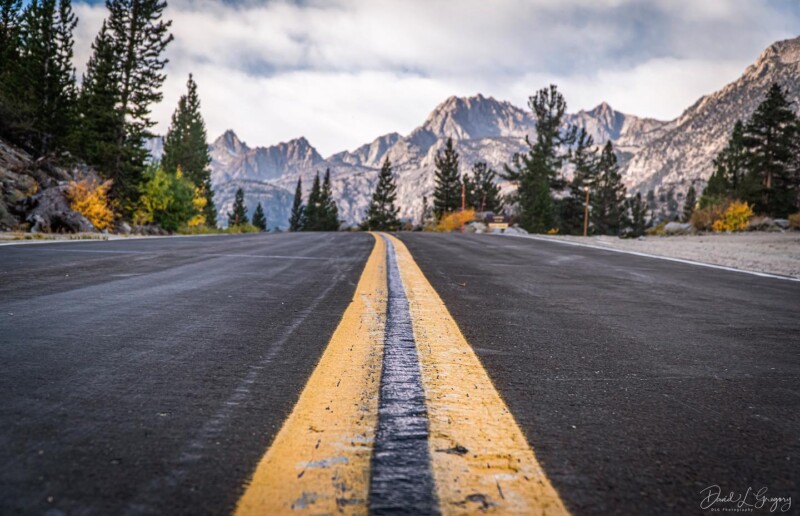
<point x="654" y="154"/>
<point x="683" y="153"/>
<point x="482" y="128"/>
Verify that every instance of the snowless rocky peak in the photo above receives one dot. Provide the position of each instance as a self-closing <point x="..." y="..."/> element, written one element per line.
<point x="230" y="143"/>
<point x="684" y="153"/>
<point x="368" y="155"/>
<point x="463" y="118"/>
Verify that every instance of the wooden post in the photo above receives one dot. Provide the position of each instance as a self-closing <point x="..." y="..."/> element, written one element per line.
<point x="586" y="213"/>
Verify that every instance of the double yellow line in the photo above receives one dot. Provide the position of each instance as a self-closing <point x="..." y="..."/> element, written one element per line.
<point x="319" y="463"/>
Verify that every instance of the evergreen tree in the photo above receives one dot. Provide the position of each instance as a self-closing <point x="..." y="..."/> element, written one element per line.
<point x="672" y="205"/>
<point x="297" y="218"/>
<point x="769" y="140"/>
<point x="186" y="147"/>
<point x="382" y="212"/>
<point x="636" y="220"/>
<point x="238" y="216"/>
<point x="329" y="213"/>
<point x="584" y="161"/>
<point x="10" y="21"/>
<point x="690" y="203"/>
<point x="447" y="192"/>
<point x="101" y="123"/>
<point x="537" y="172"/>
<point x="259" y="218"/>
<point x="10" y="11"/>
<point x="127" y="65"/>
<point x="425" y="209"/>
<point x="608" y="194"/>
<point x="41" y="81"/>
<point x="481" y="190"/>
<point x="313" y="210"/>
<point x="730" y="177"/>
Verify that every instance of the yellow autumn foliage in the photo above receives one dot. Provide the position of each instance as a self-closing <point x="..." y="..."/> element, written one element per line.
<point x="455" y="220"/>
<point x="89" y="197"/>
<point x="199" y="202"/>
<point x="735" y="218"/>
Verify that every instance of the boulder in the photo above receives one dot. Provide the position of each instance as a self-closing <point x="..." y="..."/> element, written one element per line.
<point x="49" y="212"/>
<point x="782" y="223"/>
<point x="763" y="224"/>
<point x="476" y="227"/>
<point x="123" y="228"/>
<point x="678" y="228"/>
<point x="515" y="230"/>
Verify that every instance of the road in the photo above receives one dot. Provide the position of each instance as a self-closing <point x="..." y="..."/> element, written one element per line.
<point x="150" y="376"/>
<point x="639" y="382"/>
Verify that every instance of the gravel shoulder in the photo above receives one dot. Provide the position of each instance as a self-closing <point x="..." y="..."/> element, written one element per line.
<point x="775" y="253"/>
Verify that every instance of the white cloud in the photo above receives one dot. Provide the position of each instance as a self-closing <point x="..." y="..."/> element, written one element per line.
<point x="342" y="72"/>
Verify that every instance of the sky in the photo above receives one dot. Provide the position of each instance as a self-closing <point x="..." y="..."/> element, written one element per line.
<point x="343" y="72"/>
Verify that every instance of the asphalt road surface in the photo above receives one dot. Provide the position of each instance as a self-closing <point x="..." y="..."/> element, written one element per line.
<point x="149" y="376"/>
<point x="639" y="382"/>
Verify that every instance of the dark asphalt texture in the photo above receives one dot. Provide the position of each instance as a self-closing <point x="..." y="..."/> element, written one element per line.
<point x="401" y="479"/>
<point x="639" y="382"/>
<point x="150" y="376"/>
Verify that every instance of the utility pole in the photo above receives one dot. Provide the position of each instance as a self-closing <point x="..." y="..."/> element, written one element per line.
<point x="463" y="203"/>
<point x="586" y="213"/>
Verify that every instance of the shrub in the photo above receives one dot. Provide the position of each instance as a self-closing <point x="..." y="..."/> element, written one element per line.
<point x="455" y="220"/>
<point x="703" y="219"/>
<point x="657" y="230"/>
<point x="552" y="231"/>
<point x="89" y="197"/>
<point x="794" y="220"/>
<point x="167" y="199"/>
<point x="735" y="218"/>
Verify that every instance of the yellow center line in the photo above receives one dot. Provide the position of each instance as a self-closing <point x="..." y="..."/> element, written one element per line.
<point x="481" y="459"/>
<point x="319" y="461"/>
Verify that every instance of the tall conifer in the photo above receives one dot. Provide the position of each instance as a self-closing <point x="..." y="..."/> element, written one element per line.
<point x="447" y="192"/>
<point x="382" y="213"/>
<point x="296" y="219"/>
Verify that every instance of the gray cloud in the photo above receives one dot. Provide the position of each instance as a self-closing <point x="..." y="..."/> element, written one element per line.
<point x="341" y="72"/>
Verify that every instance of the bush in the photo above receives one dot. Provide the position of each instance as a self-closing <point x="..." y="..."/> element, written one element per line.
<point x="657" y="230"/>
<point x="89" y="197"/>
<point x="455" y="220"/>
<point x="794" y="221"/>
<point x="735" y="218"/>
<point x="167" y="199"/>
<point x="703" y="219"/>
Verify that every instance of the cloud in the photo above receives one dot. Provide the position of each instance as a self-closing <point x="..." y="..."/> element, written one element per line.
<point x="342" y="72"/>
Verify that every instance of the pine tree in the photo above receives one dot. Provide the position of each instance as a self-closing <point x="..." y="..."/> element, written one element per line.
<point x="238" y="216"/>
<point x="769" y="140"/>
<point x="43" y="82"/>
<point x="482" y="192"/>
<point x="382" y="213"/>
<point x="10" y="73"/>
<point x="329" y="213"/>
<point x="730" y="179"/>
<point x="537" y="172"/>
<point x="185" y="146"/>
<point x="259" y="218"/>
<point x="690" y="203"/>
<point x="128" y="66"/>
<point x="637" y="215"/>
<point x="608" y="194"/>
<point x="297" y="218"/>
<point x="584" y="161"/>
<point x="447" y="192"/>
<point x="313" y="210"/>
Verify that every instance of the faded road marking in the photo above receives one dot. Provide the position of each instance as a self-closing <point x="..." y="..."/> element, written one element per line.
<point x="481" y="459"/>
<point x="319" y="461"/>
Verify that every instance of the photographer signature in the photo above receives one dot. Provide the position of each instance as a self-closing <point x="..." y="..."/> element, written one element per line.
<point x="749" y="500"/>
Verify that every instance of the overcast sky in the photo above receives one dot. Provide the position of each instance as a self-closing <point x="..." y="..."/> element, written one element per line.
<point x="342" y="72"/>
